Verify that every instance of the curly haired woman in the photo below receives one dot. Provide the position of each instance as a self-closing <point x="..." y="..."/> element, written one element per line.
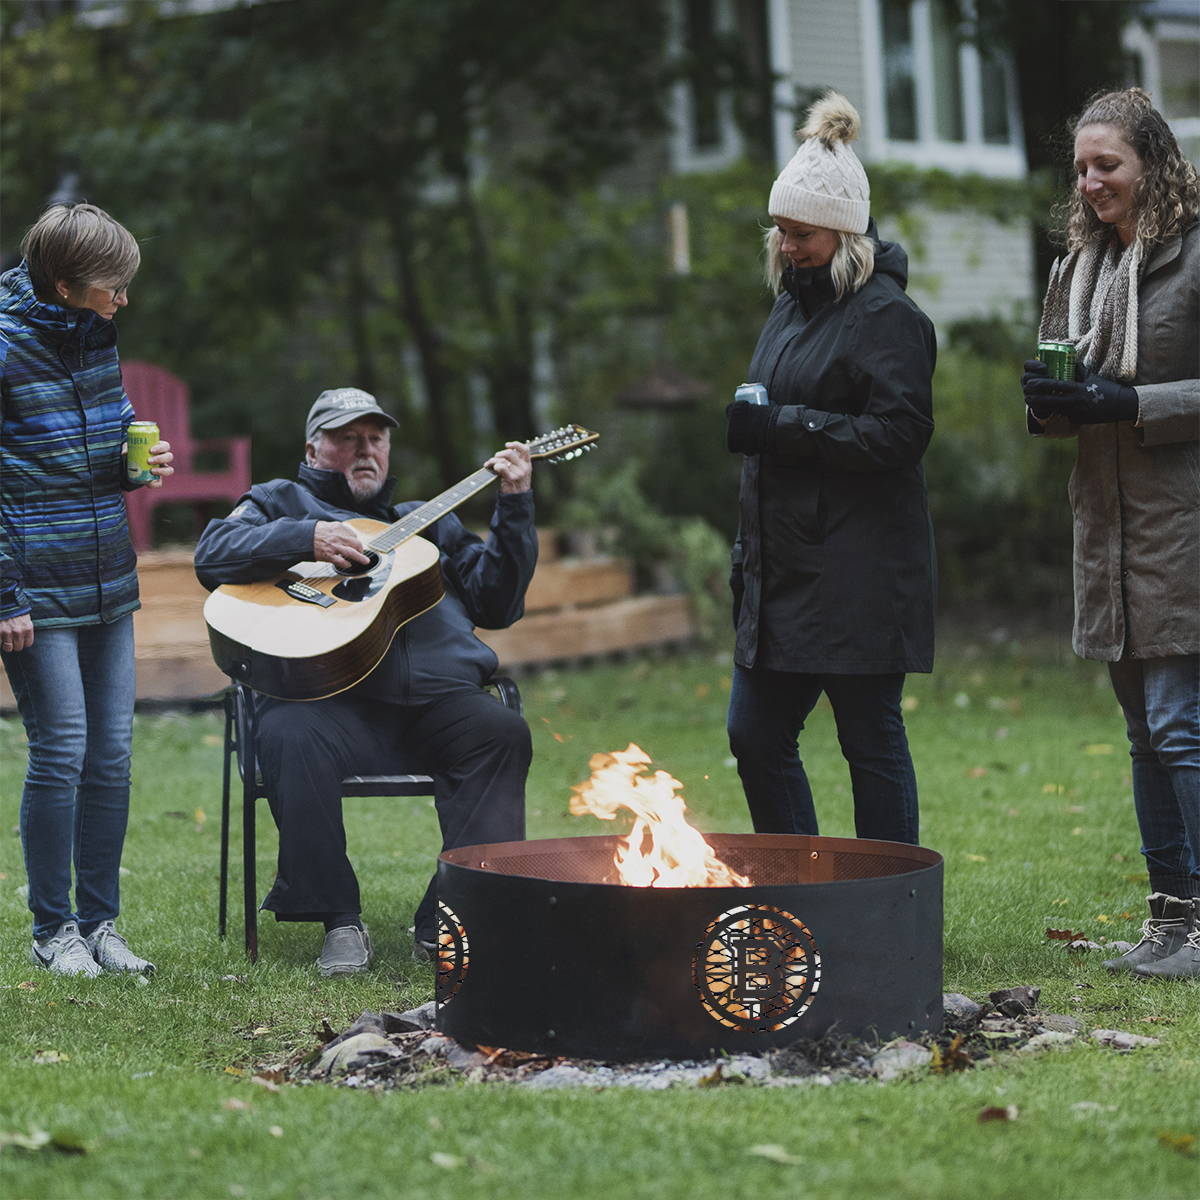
<point x="1127" y="294"/>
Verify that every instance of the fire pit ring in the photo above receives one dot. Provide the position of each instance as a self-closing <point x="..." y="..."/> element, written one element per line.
<point x="540" y="949"/>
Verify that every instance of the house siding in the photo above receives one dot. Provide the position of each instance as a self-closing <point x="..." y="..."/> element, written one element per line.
<point x="826" y="43"/>
<point x="962" y="264"/>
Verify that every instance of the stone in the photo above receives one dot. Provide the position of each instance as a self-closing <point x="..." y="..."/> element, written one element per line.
<point x="367" y="1022"/>
<point x="898" y="1058"/>
<point x="561" y="1076"/>
<point x="464" y="1058"/>
<point x="437" y="1046"/>
<point x="1060" y="1023"/>
<point x="1116" y="949"/>
<point x="1051" y="1039"/>
<point x="961" y="1011"/>
<point x="1118" y="1039"/>
<point x="1015" y="1001"/>
<point x="354" y="1053"/>
<point x="747" y="1066"/>
<point x="411" y="1020"/>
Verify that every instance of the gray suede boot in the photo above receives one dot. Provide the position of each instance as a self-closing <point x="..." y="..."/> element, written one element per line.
<point x="1163" y="933"/>
<point x="1185" y="962"/>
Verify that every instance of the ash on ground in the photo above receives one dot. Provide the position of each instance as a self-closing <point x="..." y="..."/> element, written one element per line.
<point x="403" y="1050"/>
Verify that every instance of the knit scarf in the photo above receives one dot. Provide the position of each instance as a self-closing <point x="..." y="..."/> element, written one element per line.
<point x="1092" y="301"/>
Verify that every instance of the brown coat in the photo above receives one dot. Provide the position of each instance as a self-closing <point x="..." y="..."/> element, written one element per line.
<point x="1135" y="490"/>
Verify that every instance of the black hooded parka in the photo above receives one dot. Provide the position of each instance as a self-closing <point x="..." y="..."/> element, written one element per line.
<point x="835" y="546"/>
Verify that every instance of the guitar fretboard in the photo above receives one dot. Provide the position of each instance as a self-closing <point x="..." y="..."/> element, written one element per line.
<point x="431" y="511"/>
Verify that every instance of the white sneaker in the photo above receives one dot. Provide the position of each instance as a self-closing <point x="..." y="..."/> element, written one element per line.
<point x="65" y="953"/>
<point x="112" y="953"/>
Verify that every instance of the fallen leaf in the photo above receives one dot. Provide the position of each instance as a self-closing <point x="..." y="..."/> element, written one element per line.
<point x="236" y="1104"/>
<point x="1064" y="935"/>
<point x="1103" y="918"/>
<point x="264" y="1079"/>
<point x="1098" y="748"/>
<point x="50" y="1056"/>
<point x="953" y="1058"/>
<point x="27" y="985"/>
<point x="910" y="704"/>
<point x="702" y="690"/>
<point x="976" y="772"/>
<point x="1009" y="1112"/>
<point x="212" y="739"/>
<point x="976" y="857"/>
<point x="1052" y="789"/>
<point x="35" y="1139"/>
<point x="447" y="1161"/>
<point x="1181" y="1143"/>
<point x="276" y="1131"/>
<point x="777" y="1154"/>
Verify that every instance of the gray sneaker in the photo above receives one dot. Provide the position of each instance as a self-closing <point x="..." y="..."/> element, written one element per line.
<point x="112" y="953"/>
<point x="65" y="953"/>
<point x="347" y="951"/>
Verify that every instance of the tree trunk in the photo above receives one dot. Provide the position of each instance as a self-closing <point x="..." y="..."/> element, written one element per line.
<point x="437" y="380"/>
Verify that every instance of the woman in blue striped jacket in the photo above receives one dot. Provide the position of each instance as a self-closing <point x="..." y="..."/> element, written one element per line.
<point x="68" y="581"/>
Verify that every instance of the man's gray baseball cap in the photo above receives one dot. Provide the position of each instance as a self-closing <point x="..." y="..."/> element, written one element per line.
<point x="340" y="406"/>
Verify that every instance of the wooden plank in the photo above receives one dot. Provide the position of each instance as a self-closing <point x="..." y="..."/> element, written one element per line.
<point x="630" y="624"/>
<point x="578" y="582"/>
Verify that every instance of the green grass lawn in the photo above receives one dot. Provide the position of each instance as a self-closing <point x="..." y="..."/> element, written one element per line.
<point x="1024" y="789"/>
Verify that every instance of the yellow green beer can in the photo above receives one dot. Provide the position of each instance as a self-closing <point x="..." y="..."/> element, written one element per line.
<point x="140" y="436"/>
<point x="1059" y="357"/>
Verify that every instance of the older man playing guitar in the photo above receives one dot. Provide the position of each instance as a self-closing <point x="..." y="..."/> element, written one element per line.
<point x="424" y="696"/>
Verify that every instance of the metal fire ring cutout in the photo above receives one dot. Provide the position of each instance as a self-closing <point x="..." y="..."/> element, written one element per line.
<point x="454" y="954"/>
<point x="757" y="968"/>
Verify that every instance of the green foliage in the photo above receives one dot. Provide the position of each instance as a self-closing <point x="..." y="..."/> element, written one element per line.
<point x="998" y="496"/>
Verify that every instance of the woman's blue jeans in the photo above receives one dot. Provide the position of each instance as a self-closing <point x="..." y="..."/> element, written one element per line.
<point x="1161" y="701"/>
<point x="767" y="711"/>
<point x="75" y="689"/>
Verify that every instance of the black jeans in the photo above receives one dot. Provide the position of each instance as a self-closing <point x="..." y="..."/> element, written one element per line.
<point x="477" y="750"/>
<point x="767" y="711"/>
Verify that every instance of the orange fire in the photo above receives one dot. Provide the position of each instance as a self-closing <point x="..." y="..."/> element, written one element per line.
<point x="662" y="849"/>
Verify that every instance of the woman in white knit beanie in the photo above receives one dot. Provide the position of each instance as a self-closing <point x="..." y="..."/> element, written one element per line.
<point x="1127" y="295"/>
<point x="833" y="567"/>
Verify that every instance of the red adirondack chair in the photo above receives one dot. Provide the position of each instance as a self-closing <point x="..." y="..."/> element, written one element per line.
<point x="159" y="396"/>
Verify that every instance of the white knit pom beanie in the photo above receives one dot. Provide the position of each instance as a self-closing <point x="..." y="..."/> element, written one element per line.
<point x="825" y="184"/>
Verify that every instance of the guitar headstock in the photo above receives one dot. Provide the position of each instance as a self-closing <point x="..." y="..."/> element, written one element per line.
<point x="563" y="444"/>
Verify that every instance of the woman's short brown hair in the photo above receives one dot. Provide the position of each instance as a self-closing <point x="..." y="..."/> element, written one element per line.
<point x="82" y="245"/>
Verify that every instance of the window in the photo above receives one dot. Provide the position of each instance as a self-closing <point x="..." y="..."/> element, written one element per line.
<point x="706" y="135"/>
<point x="940" y="99"/>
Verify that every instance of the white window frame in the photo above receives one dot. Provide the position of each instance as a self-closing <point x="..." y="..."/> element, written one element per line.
<point x="1143" y="42"/>
<point x="972" y="154"/>
<point x="686" y="159"/>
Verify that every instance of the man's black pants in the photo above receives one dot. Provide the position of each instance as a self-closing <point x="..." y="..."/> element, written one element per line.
<point x="477" y="750"/>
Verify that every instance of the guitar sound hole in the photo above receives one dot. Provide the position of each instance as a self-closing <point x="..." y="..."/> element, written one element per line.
<point x="360" y="568"/>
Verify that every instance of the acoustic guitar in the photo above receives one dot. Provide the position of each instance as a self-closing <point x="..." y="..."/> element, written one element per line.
<point x="317" y="630"/>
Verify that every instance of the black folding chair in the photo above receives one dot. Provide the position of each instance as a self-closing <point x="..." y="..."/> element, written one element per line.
<point x="241" y="746"/>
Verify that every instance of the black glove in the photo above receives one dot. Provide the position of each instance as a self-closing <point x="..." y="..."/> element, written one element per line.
<point x="1095" y="401"/>
<point x="747" y="426"/>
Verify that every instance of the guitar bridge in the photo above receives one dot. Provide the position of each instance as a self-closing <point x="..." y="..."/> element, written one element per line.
<point x="299" y="590"/>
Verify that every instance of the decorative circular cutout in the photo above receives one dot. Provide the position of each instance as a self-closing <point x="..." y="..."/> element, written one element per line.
<point x="757" y="968"/>
<point x="454" y="954"/>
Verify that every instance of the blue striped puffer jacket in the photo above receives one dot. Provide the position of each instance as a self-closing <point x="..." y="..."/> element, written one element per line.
<point x="65" y="554"/>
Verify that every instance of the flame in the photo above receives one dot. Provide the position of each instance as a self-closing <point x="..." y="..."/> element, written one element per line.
<point x="662" y="849"/>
